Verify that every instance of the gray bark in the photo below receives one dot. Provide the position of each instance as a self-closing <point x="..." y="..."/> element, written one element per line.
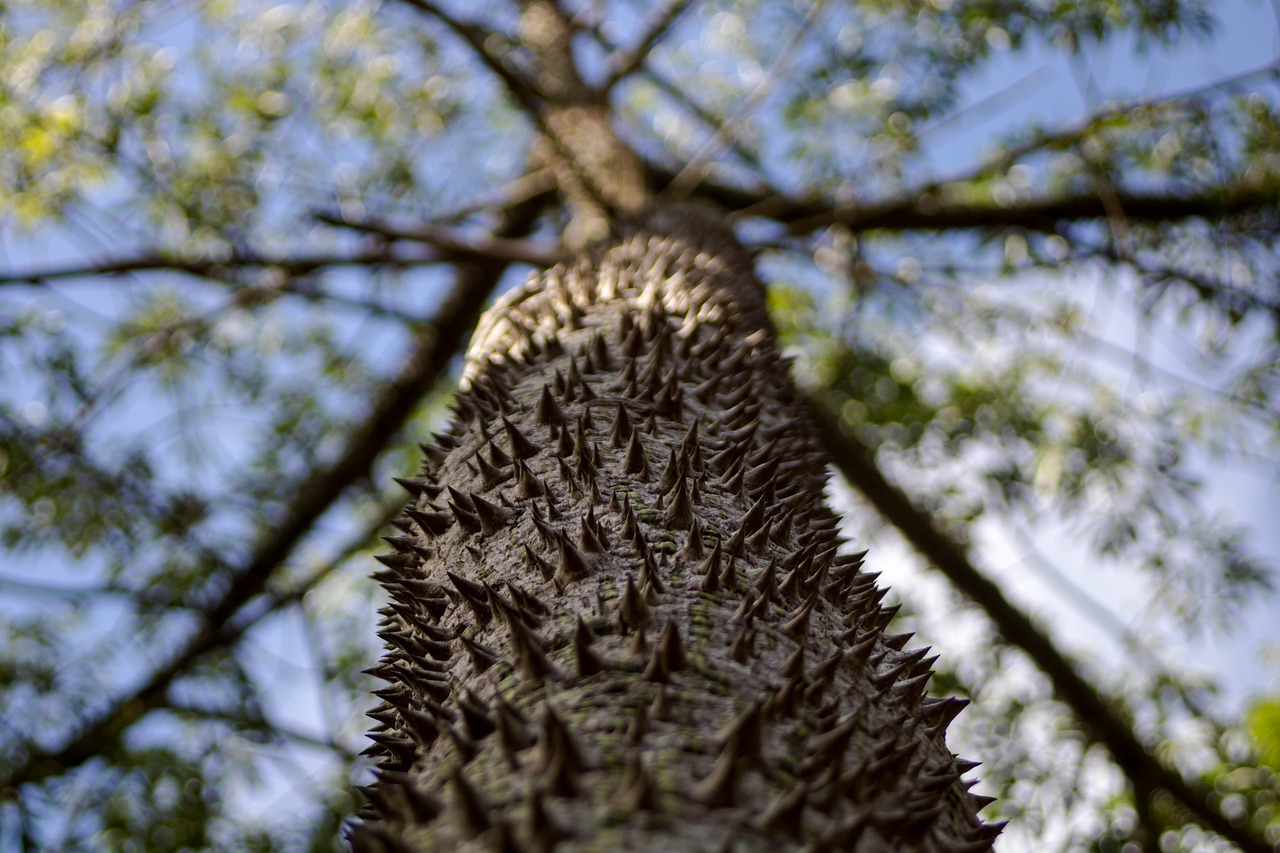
<point x="621" y="616"/>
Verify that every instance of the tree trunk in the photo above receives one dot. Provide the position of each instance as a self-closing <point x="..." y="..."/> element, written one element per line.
<point x="621" y="618"/>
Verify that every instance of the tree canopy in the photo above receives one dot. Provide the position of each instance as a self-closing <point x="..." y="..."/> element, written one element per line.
<point x="243" y="244"/>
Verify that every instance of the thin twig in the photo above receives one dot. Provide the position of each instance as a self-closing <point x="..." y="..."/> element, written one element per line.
<point x="622" y="65"/>
<point x="451" y="246"/>
<point x="218" y="270"/>
<point x="689" y="177"/>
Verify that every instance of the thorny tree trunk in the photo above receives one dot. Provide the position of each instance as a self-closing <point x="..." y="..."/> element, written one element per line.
<point x="621" y="618"/>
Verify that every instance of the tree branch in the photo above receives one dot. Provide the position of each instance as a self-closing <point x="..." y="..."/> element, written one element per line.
<point x="434" y="347"/>
<point x="475" y="36"/>
<point x="1233" y="300"/>
<point x="451" y="246"/>
<point x="924" y="211"/>
<point x="296" y="265"/>
<point x="659" y="24"/>
<point x="1095" y="714"/>
<point x="1072" y="133"/>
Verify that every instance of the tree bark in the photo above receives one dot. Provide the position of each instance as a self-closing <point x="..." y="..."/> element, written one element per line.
<point x="621" y="616"/>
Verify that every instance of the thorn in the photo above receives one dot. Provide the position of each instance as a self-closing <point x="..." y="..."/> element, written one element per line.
<point x="493" y="518"/>
<point x="794" y="664"/>
<point x="436" y="457"/>
<point x="706" y="389"/>
<point x="744" y="734"/>
<point x="729" y="577"/>
<point x="560" y="763"/>
<point x="638" y="726"/>
<point x="754" y="518"/>
<point x="733" y="484"/>
<point x="475" y="601"/>
<point x="746" y="609"/>
<point x="940" y="712"/>
<point x="622" y="429"/>
<point x="637" y="791"/>
<point x="596" y="529"/>
<point x="589" y="663"/>
<point x="692" y="549"/>
<point x="710" y="570"/>
<point x="670" y="474"/>
<point x="860" y="650"/>
<point x="564" y="445"/>
<point x="635" y="461"/>
<point x="679" y="512"/>
<point x="469" y="520"/>
<point x="672" y="647"/>
<point x="797" y="624"/>
<point x="399" y="562"/>
<point x="531" y="652"/>
<point x="719" y="789"/>
<point x="513" y="733"/>
<point x="521" y="446"/>
<point x="497" y="457"/>
<point x="527" y="483"/>
<point x="639" y="644"/>
<point x="599" y="352"/>
<point x="475" y="716"/>
<point x="785" y="814"/>
<point x="573" y="563"/>
<point x="649" y="577"/>
<point x="546" y="533"/>
<point x="422" y="727"/>
<point x="630" y="527"/>
<point x="462" y="499"/>
<point x="548" y="411"/>
<point x="660" y="708"/>
<point x="419" y="486"/>
<point x="469" y="589"/>
<point x="430" y="523"/>
<point x="528" y="600"/>
<point x="735" y="546"/>
<point x="472" y="811"/>
<point x="632" y="611"/>
<point x="656" y="668"/>
<point x="767" y="582"/>
<point x="593" y="490"/>
<point x="572" y="378"/>
<point x="742" y="644"/>
<point x="690" y="450"/>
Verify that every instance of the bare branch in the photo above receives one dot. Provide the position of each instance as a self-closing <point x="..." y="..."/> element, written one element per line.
<point x="1231" y="299"/>
<point x="694" y="172"/>
<point x="1072" y="133"/>
<point x="219" y="270"/>
<point x="476" y="37"/>
<point x="452" y="246"/>
<point x="1095" y="714"/>
<point x="662" y="19"/>
<point x="922" y="210"/>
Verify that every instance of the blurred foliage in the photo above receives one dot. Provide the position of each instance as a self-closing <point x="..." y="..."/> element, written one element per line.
<point x="183" y="342"/>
